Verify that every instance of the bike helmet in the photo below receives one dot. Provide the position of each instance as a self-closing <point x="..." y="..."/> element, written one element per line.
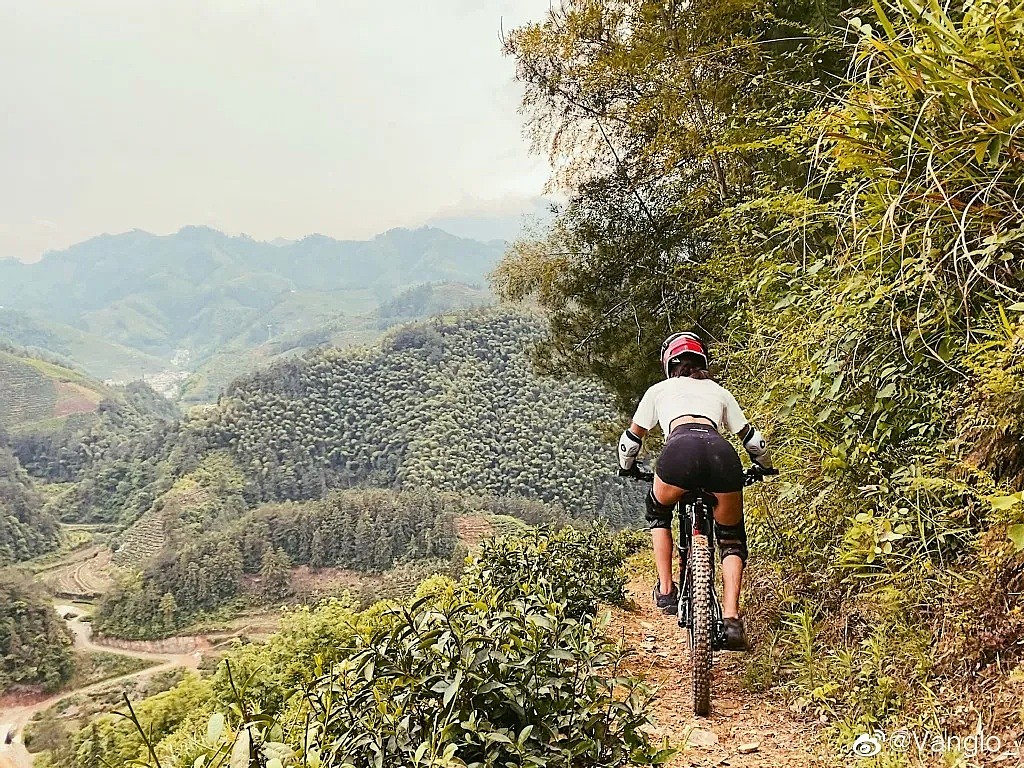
<point x="679" y="344"/>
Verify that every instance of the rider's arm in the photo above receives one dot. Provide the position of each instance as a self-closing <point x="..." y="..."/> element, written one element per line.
<point x="756" y="446"/>
<point x="632" y="438"/>
<point x="751" y="437"/>
<point x="629" y="446"/>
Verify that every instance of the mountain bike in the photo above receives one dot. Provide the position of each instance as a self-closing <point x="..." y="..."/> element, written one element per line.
<point x="700" y="610"/>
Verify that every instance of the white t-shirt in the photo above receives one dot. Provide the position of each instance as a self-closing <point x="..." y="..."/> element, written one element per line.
<point x="667" y="400"/>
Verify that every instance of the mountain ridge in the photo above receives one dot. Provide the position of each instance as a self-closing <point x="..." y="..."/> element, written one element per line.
<point x="188" y="294"/>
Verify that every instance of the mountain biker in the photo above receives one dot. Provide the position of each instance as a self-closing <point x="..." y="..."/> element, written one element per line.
<point x="691" y="409"/>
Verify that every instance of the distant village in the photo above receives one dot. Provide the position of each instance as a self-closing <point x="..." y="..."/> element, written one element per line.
<point x="167" y="382"/>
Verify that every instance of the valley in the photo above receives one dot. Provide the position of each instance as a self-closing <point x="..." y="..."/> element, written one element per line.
<point x="16" y="716"/>
<point x="365" y="503"/>
<point x="188" y="312"/>
<point x="194" y="531"/>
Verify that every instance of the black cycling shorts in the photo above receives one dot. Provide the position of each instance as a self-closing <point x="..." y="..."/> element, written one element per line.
<point x="696" y="456"/>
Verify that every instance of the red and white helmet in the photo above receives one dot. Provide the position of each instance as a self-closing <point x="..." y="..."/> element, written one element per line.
<point x="679" y="344"/>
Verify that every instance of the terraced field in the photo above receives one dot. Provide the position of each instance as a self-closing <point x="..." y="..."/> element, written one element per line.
<point x="25" y="393"/>
<point x="74" y="398"/>
<point x="85" y="577"/>
<point x="35" y="393"/>
<point x="144" y="539"/>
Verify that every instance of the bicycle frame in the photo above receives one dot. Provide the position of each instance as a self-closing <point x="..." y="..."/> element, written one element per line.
<point x="696" y="518"/>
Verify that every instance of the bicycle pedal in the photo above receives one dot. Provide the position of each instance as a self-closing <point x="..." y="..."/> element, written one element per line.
<point x="719" y="642"/>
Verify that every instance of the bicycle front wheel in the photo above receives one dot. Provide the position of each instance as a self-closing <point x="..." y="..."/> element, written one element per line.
<point x="701" y="632"/>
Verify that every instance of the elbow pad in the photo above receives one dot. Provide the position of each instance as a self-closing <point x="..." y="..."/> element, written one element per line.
<point x="629" y="447"/>
<point x="756" y="446"/>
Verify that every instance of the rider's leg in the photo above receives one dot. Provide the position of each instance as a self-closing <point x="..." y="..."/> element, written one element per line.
<point x="665" y="496"/>
<point x="661" y="539"/>
<point x="733" y="546"/>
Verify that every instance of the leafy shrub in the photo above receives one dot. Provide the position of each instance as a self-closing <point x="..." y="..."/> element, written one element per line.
<point x="471" y="673"/>
<point x="466" y="676"/>
<point x="578" y="567"/>
<point x="336" y="419"/>
<point x="483" y="681"/>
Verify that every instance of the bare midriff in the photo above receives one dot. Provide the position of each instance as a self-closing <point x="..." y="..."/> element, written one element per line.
<point x="691" y="420"/>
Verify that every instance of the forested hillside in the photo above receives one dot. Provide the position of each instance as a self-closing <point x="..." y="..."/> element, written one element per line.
<point x="88" y="445"/>
<point x="35" y="648"/>
<point x="200" y="291"/>
<point x="836" y="203"/>
<point x="449" y="404"/>
<point x="26" y="529"/>
<point x="210" y="556"/>
<point x="62" y="424"/>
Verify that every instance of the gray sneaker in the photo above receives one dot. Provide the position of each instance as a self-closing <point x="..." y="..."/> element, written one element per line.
<point x="669" y="603"/>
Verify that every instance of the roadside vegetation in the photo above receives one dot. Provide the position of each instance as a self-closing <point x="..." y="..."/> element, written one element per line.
<point x="93" y="667"/>
<point x="467" y="671"/>
<point x="35" y="646"/>
<point x="832" y="194"/>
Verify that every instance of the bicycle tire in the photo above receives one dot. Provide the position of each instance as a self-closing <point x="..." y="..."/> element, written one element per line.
<point x="700" y="635"/>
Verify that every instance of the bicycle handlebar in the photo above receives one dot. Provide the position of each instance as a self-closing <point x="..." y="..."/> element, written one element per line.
<point x="636" y="473"/>
<point x="756" y="473"/>
<point x="752" y="474"/>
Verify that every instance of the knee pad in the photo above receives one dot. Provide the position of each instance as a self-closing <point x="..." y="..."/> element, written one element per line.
<point x="658" y="515"/>
<point x="732" y="540"/>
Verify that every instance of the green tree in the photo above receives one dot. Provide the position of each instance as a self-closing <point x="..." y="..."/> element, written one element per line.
<point x="318" y="555"/>
<point x="168" y="611"/>
<point x="275" y="573"/>
<point x="35" y="647"/>
<point x="658" y="118"/>
<point x="26" y="527"/>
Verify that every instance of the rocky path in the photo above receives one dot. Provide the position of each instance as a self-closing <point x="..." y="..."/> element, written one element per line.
<point x="744" y="730"/>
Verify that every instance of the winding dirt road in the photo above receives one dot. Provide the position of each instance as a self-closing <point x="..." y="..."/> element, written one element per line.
<point x="14" y="719"/>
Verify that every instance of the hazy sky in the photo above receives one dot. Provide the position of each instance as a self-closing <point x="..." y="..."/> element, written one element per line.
<point x="274" y="118"/>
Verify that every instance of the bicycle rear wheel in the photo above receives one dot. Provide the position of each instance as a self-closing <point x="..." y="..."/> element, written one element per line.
<point x="701" y="632"/>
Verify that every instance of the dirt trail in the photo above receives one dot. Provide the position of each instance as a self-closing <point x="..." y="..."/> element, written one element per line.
<point x="14" y="719"/>
<point x="739" y="719"/>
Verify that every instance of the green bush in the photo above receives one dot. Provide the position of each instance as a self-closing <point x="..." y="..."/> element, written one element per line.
<point x="581" y="568"/>
<point x="488" y="680"/>
<point x="507" y="667"/>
